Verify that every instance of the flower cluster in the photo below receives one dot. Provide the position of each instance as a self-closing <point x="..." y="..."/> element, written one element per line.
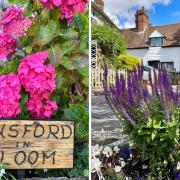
<point x="67" y="7"/>
<point x="122" y="161"/>
<point x="134" y="93"/>
<point x="13" y="24"/>
<point x="7" y="46"/>
<point x="39" y="81"/>
<point x="10" y="87"/>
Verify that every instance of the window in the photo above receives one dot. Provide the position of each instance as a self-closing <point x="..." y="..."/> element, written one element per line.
<point x="156" y="41"/>
<point x="168" y="66"/>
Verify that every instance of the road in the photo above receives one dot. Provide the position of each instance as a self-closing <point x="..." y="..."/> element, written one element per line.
<point x="103" y="119"/>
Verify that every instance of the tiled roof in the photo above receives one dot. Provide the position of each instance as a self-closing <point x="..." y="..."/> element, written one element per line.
<point x="136" y="39"/>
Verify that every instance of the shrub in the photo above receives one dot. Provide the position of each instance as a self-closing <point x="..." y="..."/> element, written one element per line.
<point x="126" y="61"/>
<point x="109" y="39"/>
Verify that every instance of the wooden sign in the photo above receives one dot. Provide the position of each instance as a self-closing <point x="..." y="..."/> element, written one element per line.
<point x="26" y="144"/>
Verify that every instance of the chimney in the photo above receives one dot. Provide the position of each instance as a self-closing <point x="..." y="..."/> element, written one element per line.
<point x="100" y="4"/>
<point x="142" y="19"/>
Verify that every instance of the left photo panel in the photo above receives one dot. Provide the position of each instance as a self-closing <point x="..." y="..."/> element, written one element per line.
<point x="44" y="89"/>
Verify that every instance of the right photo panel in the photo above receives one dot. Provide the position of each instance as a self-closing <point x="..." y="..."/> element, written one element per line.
<point x="135" y="87"/>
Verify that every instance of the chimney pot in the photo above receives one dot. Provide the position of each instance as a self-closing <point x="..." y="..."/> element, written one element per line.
<point x="142" y="19"/>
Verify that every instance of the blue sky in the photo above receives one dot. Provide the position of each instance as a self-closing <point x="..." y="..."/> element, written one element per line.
<point x="166" y="14"/>
<point x="161" y="12"/>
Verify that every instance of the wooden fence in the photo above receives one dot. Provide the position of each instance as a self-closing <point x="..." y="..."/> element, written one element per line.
<point x="97" y="75"/>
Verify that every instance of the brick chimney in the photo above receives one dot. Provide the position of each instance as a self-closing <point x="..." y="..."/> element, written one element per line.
<point x="142" y="19"/>
<point x="100" y="4"/>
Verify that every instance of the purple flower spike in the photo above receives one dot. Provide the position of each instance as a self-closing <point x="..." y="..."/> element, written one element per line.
<point x="131" y="97"/>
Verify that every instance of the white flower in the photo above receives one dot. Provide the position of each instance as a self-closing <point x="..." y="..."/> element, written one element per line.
<point x="96" y="150"/>
<point x="95" y="164"/>
<point x="109" y="164"/>
<point x="178" y="166"/>
<point x="144" y="166"/>
<point x="131" y="144"/>
<point x="116" y="149"/>
<point x="123" y="163"/>
<point x="45" y="170"/>
<point x="2" y="172"/>
<point x="107" y="151"/>
<point x="117" y="169"/>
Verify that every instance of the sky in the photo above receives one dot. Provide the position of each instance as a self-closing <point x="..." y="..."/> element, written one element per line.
<point x="161" y="12"/>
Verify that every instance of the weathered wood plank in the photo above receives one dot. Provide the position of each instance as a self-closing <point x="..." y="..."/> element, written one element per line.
<point x="26" y="144"/>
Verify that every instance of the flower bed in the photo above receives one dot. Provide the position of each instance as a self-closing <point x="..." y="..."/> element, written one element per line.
<point x="150" y="118"/>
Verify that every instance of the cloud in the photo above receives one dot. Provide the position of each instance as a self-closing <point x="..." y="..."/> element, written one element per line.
<point x="122" y="11"/>
<point x="176" y="13"/>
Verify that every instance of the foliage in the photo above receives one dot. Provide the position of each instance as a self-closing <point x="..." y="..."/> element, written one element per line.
<point x="109" y="39"/>
<point x="5" y="175"/>
<point x="126" y="61"/>
<point x="78" y="113"/>
<point x="150" y="117"/>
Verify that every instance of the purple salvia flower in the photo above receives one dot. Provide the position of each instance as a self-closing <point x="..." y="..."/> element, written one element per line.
<point x="140" y="71"/>
<point x="128" y="117"/>
<point x="145" y="95"/>
<point x="144" y="111"/>
<point x="105" y="71"/>
<point x="155" y="83"/>
<point x="151" y="82"/>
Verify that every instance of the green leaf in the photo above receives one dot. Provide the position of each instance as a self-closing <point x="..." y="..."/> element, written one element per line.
<point x="46" y="33"/>
<point x="69" y="34"/>
<point x="28" y="49"/>
<point x="67" y="63"/>
<point x="86" y="81"/>
<point x="153" y="135"/>
<point x="18" y="1"/>
<point x="55" y="14"/>
<point x="68" y="47"/>
<point x="55" y="55"/>
<point x="84" y="71"/>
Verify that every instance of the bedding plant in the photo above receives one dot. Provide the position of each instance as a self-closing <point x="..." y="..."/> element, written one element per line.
<point x="44" y="68"/>
<point x="150" y="115"/>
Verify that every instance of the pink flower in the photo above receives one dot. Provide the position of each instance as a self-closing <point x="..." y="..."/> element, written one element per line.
<point x="50" y="4"/>
<point x="67" y="7"/>
<point x="7" y="46"/>
<point x="10" y="87"/>
<point x="41" y="108"/>
<point x="14" y="23"/>
<point x="39" y="81"/>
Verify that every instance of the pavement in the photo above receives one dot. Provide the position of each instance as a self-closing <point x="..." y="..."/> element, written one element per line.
<point x="105" y="126"/>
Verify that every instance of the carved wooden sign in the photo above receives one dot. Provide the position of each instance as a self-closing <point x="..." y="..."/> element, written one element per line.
<point x="26" y="144"/>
